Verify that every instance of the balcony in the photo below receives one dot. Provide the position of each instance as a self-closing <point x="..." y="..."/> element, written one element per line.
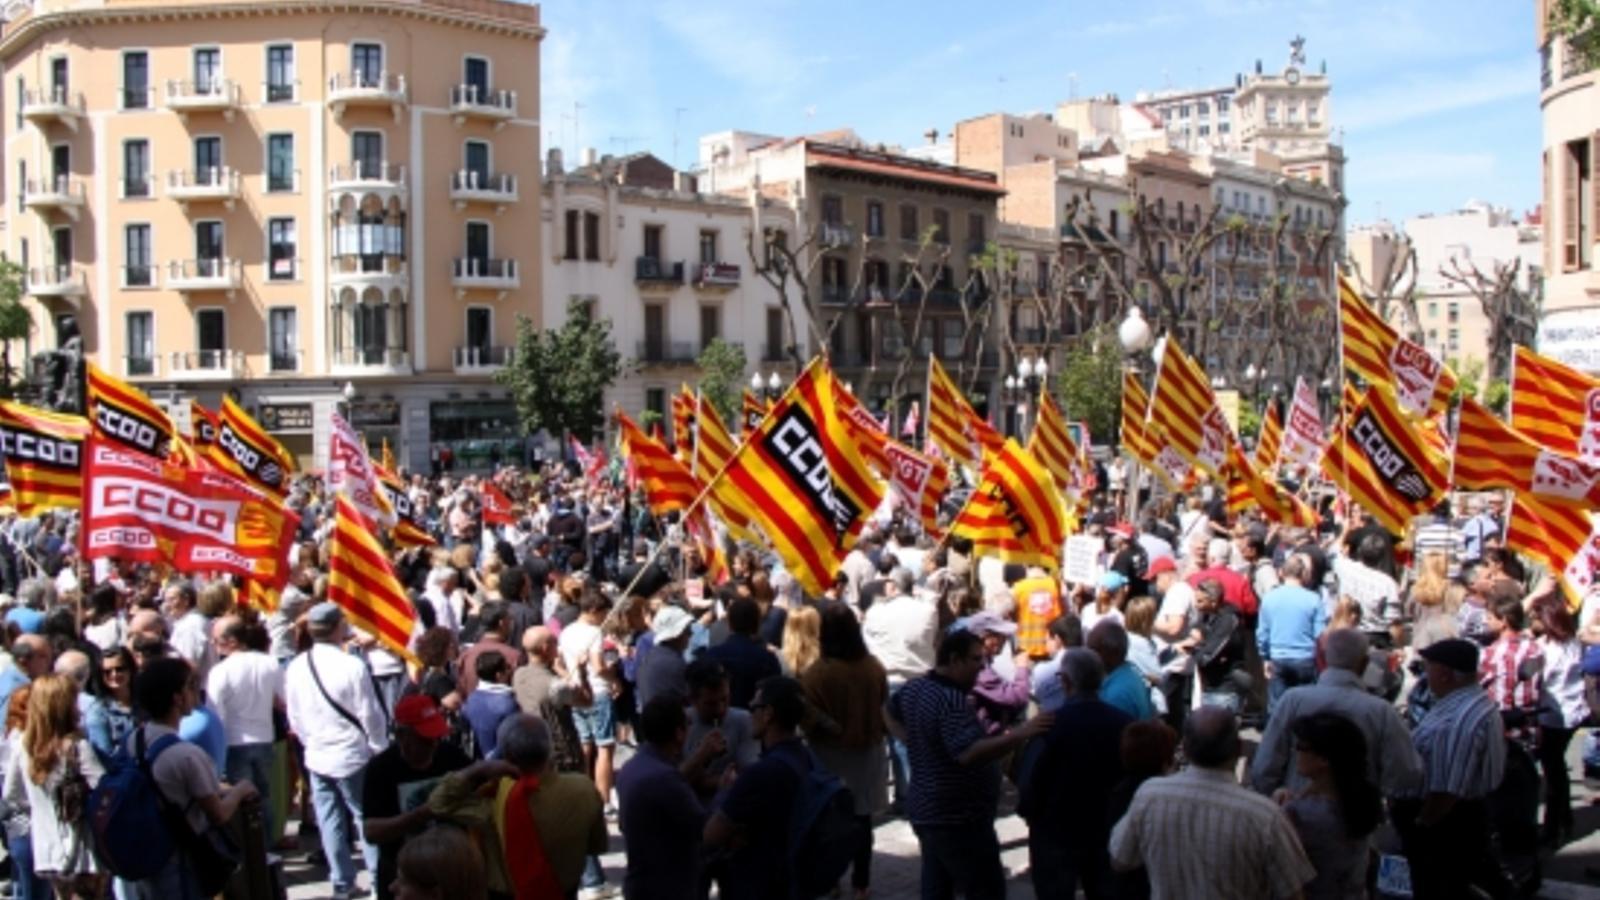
<point x="717" y="275"/>
<point x="46" y="106"/>
<point x="47" y="195"/>
<point x="380" y="271"/>
<point x="834" y="234"/>
<point x="213" y="184"/>
<point x="216" y="95"/>
<point x="64" y="282"/>
<point x="650" y="272"/>
<point x="485" y="274"/>
<point x="774" y="353"/>
<point x="666" y="353"/>
<point x="195" y="275"/>
<point x="368" y="177"/>
<point x="469" y="101"/>
<point x="206" y="365"/>
<point x="371" y="361"/>
<point x="362" y="89"/>
<point x="478" y="359"/>
<point x="469" y="186"/>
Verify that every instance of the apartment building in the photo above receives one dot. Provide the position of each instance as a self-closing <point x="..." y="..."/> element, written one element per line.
<point x="635" y="243"/>
<point x="1569" y="104"/>
<point x="863" y="212"/>
<point x="311" y="206"/>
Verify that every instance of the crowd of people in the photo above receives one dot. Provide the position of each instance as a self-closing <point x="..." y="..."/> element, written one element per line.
<point x="578" y="673"/>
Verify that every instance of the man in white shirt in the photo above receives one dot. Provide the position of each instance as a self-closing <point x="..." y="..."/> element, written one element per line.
<point x="191" y="636"/>
<point x="334" y="709"/>
<point x="902" y="631"/>
<point x="244" y="687"/>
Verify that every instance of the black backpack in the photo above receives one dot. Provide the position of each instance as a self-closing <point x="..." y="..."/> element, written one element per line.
<point x="824" y="833"/>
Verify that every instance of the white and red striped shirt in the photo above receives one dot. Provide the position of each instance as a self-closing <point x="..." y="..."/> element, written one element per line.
<point x="1497" y="672"/>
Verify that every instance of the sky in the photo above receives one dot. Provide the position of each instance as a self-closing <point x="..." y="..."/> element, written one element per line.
<point x="1438" y="101"/>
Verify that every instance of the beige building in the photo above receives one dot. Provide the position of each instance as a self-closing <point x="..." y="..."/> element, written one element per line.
<point x="1569" y="101"/>
<point x="305" y="204"/>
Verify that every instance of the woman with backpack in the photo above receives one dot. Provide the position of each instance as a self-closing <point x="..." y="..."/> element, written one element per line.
<point x="52" y="769"/>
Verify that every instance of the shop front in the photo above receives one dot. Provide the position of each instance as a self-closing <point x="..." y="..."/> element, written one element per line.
<point x="378" y="422"/>
<point x="478" y="433"/>
<point x="294" y="426"/>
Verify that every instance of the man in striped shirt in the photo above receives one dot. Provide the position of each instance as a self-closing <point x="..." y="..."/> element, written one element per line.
<point x="1512" y="666"/>
<point x="1445" y="830"/>
<point x="1201" y="835"/>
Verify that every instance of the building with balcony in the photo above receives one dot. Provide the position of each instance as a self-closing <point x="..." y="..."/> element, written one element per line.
<point x="1569" y="104"/>
<point x="884" y="236"/>
<point x="632" y="241"/>
<point x="335" y="203"/>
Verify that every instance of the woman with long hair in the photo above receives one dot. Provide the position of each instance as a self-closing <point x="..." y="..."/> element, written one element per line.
<point x="1562" y="708"/>
<point x="846" y="689"/>
<point x="1149" y="750"/>
<point x="802" y="641"/>
<point x="1435" y="600"/>
<point x="52" y="770"/>
<point x="1340" y="807"/>
<point x="109" y="716"/>
<point x="19" y="840"/>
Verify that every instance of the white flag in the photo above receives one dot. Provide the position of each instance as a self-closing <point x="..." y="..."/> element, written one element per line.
<point x="1303" y="432"/>
<point x="350" y="473"/>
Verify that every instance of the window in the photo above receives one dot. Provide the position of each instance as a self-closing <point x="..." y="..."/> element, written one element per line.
<point x="832" y="210"/>
<point x="476" y="76"/>
<point x="941" y="226"/>
<point x="874" y="218"/>
<point x="655" y="401"/>
<point x="208" y="160"/>
<point x="951" y="338"/>
<point x="366" y="64"/>
<point x="280" y="250"/>
<point x="774" y="347"/>
<point x="366" y="153"/>
<point x="1222" y="105"/>
<point x="281" y="333"/>
<point x="280" y="73"/>
<point x="371" y="332"/>
<point x="208" y="245"/>
<point x="478" y="244"/>
<point x="1202" y="108"/>
<point x="280" y="162"/>
<point x="477" y="162"/>
<point x="59" y="87"/>
<point x="572" y="235"/>
<point x="652" y="242"/>
<point x="137" y="269"/>
<point x="480" y="329"/>
<point x="141" y="343"/>
<point x="1454" y="313"/>
<point x="708" y="246"/>
<point x="776" y="243"/>
<point x="211" y="336"/>
<point x="1433" y="309"/>
<point x="591" y="236"/>
<point x="655" y="332"/>
<point x="975" y="230"/>
<point x="710" y="325"/>
<point x="135" y="80"/>
<point x="908" y="222"/>
<point x="1111" y="224"/>
<point x="136" y="168"/>
<point x="207" y="70"/>
<point x="1577" y="185"/>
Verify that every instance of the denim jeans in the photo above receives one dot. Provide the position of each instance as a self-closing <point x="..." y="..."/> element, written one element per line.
<point x="253" y="763"/>
<point x="175" y="881"/>
<point x="961" y="860"/>
<point x="1286" y="674"/>
<point x="29" y="886"/>
<point x="332" y="797"/>
<point x="594" y="875"/>
<point x="899" y="760"/>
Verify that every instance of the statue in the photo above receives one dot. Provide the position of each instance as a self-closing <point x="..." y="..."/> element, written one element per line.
<point x="59" y="373"/>
<point x="1297" y="51"/>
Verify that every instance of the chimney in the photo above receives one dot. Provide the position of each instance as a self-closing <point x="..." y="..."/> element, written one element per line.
<point x="685" y="183"/>
<point x="932" y="134"/>
<point x="553" y="162"/>
<point x="589" y="156"/>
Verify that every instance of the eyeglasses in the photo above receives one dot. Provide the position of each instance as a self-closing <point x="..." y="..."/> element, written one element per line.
<point x="114" y="670"/>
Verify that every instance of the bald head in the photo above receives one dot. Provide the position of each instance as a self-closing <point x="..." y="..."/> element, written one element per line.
<point x="75" y="665"/>
<point x="538" y="641"/>
<point x="1211" y="738"/>
<point x="147" y="623"/>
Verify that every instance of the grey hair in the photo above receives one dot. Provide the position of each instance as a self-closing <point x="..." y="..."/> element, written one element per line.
<point x="75" y="665"/>
<point x="438" y="575"/>
<point x="1218" y="552"/>
<point x="37" y="593"/>
<point x="1083" y="669"/>
<point x="524" y="741"/>
<point x="904" y="581"/>
<point x="1346" y="649"/>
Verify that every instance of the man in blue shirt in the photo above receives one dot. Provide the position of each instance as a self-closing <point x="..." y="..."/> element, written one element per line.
<point x="1065" y="632"/>
<point x="658" y="812"/>
<point x="1125" y="686"/>
<point x="745" y="657"/>
<point x="30" y="658"/>
<point x="1292" y="616"/>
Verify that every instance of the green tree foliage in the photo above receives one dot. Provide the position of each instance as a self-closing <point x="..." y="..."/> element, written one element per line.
<point x="722" y="379"/>
<point x="15" y="322"/>
<point x="1575" y="20"/>
<point x="558" y="378"/>
<point x="1090" y="383"/>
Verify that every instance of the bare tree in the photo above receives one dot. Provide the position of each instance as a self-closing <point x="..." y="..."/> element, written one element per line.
<point x="1393" y="283"/>
<point x="1510" y="309"/>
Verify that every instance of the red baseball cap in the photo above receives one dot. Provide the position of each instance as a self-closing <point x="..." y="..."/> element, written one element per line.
<point x="1157" y="566"/>
<point x="421" y="714"/>
<point x="1122" y="530"/>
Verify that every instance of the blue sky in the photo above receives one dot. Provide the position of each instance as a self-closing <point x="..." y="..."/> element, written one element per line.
<point x="1438" y="100"/>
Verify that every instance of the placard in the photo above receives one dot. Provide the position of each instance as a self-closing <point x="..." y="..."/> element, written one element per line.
<point x="1080" y="564"/>
<point x="285" y="416"/>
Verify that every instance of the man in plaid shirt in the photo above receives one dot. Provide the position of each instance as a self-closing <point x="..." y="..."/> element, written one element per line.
<point x="1512" y="668"/>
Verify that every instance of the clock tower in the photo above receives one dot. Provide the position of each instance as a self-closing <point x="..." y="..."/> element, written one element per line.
<point x="1286" y="114"/>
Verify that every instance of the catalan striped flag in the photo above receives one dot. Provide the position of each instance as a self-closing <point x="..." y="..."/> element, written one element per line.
<point x="1051" y="444"/>
<point x="1555" y="405"/>
<point x="753" y="408"/>
<point x="683" y="404"/>
<point x="1491" y="454"/>
<point x="668" y="486"/>
<point x="1376" y="352"/>
<point x="1381" y="461"/>
<point x="44" y="455"/>
<point x="127" y="417"/>
<point x="1564" y="538"/>
<point x="1135" y="427"/>
<point x="1250" y="488"/>
<point x="953" y="425"/>
<point x="245" y="449"/>
<point x="1270" y="440"/>
<point x="1187" y="410"/>
<point x="410" y="528"/>
<point x="386" y="456"/>
<point x="713" y="447"/>
<point x="363" y="584"/>
<point x="202" y="427"/>
<point x="801" y="481"/>
<point x="1015" y="512"/>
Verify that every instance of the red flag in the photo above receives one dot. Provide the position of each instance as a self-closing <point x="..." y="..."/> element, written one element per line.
<point x="496" y="505"/>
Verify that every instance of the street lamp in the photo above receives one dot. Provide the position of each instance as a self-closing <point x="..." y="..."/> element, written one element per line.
<point x="349" y="394"/>
<point x="1134" y="332"/>
<point x="769" y="389"/>
<point x="1019" y="388"/>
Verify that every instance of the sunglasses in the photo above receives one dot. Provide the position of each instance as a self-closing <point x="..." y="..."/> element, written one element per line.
<point x="115" y="670"/>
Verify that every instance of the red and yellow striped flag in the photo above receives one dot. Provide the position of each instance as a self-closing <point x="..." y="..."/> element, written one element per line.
<point x="44" y="455"/>
<point x="245" y="449"/>
<point x="753" y="409"/>
<point x="1187" y="410"/>
<point x="713" y="447"/>
<point x="1555" y="405"/>
<point x="1491" y="454"/>
<point x="871" y="441"/>
<point x="1015" y="512"/>
<point x="1564" y="538"/>
<point x="1381" y="461"/>
<point x="127" y="417"/>
<point x="1270" y="440"/>
<point x="953" y="425"/>
<point x="801" y="481"/>
<point x="410" y="527"/>
<point x="1051" y="444"/>
<point x="683" y="403"/>
<point x="363" y="584"/>
<point x="202" y="427"/>
<point x="1135" y="428"/>
<point x="668" y="486"/>
<point x="1249" y="488"/>
<point x="1376" y="352"/>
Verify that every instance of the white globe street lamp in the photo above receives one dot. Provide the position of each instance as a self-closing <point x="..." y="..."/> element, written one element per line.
<point x="1134" y="332"/>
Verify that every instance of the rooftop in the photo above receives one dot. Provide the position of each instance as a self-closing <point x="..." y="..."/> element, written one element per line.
<point x="837" y="156"/>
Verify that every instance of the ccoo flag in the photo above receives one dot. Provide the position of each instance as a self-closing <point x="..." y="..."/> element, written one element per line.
<point x="126" y="416"/>
<point x="1382" y="462"/>
<point x="245" y="449"/>
<point x="1376" y="352"/>
<point x="44" y="455"/>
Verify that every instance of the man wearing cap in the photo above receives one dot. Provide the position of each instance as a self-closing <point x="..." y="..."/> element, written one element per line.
<point x="661" y="669"/>
<point x="1445" y="828"/>
<point x="1000" y="700"/>
<point x="334" y="709"/>
<point x="1175" y="615"/>
<point x="1111" y="593"/>
<point x="399" y="780"/>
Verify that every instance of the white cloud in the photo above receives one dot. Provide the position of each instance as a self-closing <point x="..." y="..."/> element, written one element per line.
<point x="1425" y="94"/>
<point x="1117" y="27"/>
